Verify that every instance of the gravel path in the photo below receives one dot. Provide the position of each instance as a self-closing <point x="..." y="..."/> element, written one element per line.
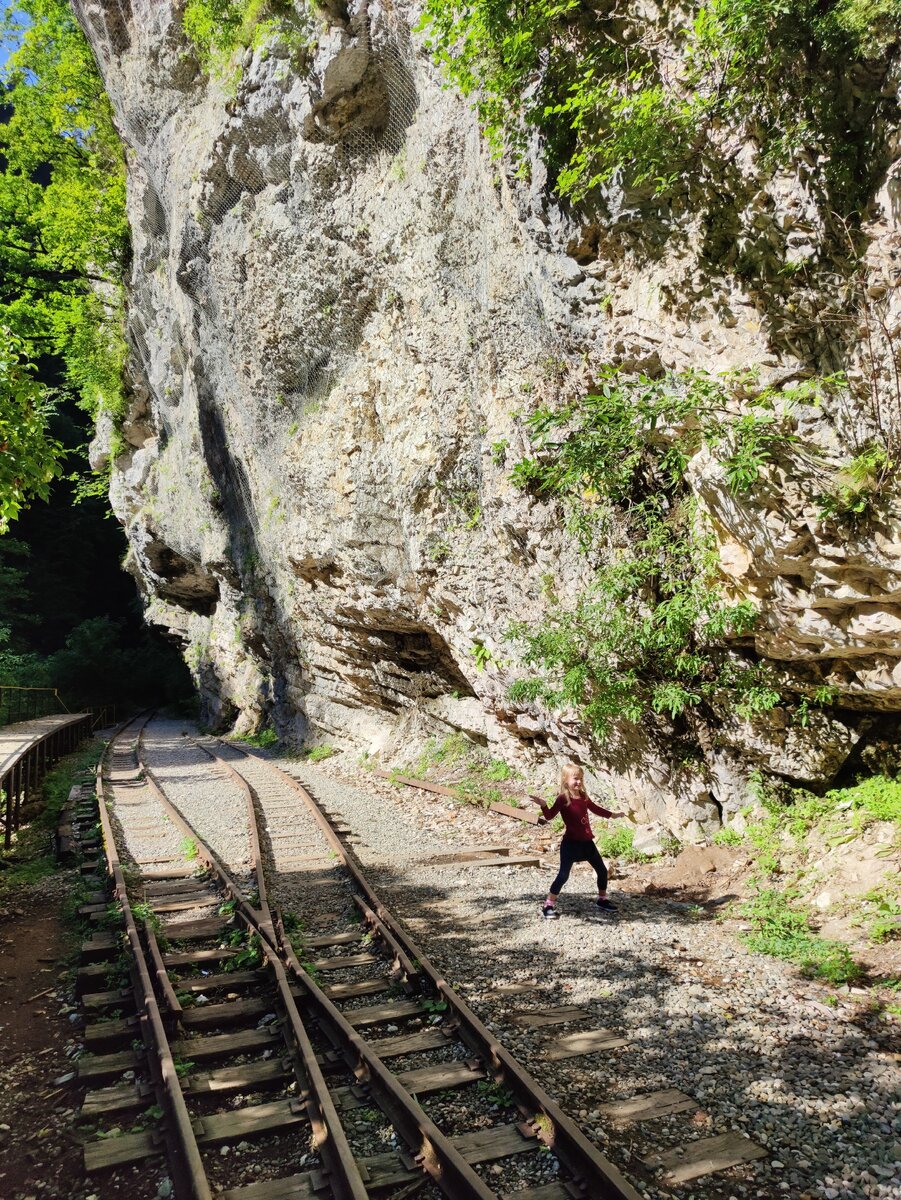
<point x="208" y="800"/>
<point x="752" y="1043"/>
<point x="818" y="1086"/>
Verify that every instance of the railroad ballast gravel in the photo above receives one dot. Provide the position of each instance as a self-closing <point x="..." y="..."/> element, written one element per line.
<point x="740" y="1033"/>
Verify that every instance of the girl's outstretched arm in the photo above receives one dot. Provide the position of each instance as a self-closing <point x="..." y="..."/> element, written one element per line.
<point x="547" y="813"/>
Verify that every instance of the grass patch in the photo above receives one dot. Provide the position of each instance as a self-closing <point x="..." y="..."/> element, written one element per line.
<point x="727" y="837"/>
<point x="881" y="914"/>
<point x="31" y="858"/>
<point x="783" y="932"/>
<point x="262" y="739"/>
<point x="618" y="841"/>
<point x="189" y="848"/>
<point x="319" y="753"/>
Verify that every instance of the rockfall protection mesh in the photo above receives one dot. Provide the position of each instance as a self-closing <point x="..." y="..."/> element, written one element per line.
<point x="249" y="147"/>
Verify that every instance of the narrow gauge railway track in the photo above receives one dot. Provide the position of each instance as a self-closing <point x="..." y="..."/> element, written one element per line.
<point x="198" y="1057"/>
<point x="467" y="1114"/>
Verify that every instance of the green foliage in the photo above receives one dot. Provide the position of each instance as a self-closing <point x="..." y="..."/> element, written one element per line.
<point x="784" y="932"/>
<point x="320" y="753"/>
<point x="498" y="771"/>
<point x="617" y="841"/>
<point x="64" y="238"/>
<point x="854" y="491"/>
<point x="604" y="93"/>
<point x="652" y="633"/>
<point x="264" y="738"/>
<point x="882" y="913"/>
<point x="33" y="859"/>
<point x="727" y="837"/>
<point x="29" y="456"/>
<point x="217" y="28"/>
<point x="189" y="848"/>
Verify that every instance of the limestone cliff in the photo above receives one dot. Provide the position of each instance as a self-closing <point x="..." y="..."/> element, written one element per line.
<point x="339" y="308"/>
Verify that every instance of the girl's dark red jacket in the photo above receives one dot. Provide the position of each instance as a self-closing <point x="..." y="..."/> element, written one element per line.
<point x="575" y="816"/>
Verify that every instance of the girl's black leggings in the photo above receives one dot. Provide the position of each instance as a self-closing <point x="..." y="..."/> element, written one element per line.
<point x="573" y="852"/>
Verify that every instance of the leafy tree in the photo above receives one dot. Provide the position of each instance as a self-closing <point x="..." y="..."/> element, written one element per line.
<point x="602" y="86"/>
<point x="63" y="240"/>
<point x="29" y="457"/>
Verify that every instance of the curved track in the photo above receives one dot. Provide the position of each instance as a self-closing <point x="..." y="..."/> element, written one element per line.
<point x="330" y="1013"/>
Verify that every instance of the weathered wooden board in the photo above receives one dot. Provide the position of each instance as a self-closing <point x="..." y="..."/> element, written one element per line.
<point x="438" y="788"/>
<point x="531" y="815"/>
<point x="366" y="987"/>
<point x="119" y="1098"/>
<point x="340" y="961"/>
<point x="235" y="1079"/>
<point x="442" y="1075"/>
<point x="556" y="1015"/>
<point x="118" y="1151"/>
<point x="706" y="1156"/>
<point x="384" y="1170"/>
<point x="208" y="1016"/>
<point x="589" y="1042"/>
<point x="648" y="1106"/>
<point x="217" y="1044"/>
<point x="547" y="1191"/>
<point x="185" y="931"/>
<point x="410" y="1043"/>
<point x="107" y="1066"/>
<point x="485" y="1145"/>
<point x="292" y="1187"/>
<point x="374" y="1014"/>
<point x="344" y="938"/>
<point x="252" y="1121"/>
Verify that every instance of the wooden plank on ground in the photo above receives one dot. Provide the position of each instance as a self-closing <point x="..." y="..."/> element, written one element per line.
<point x="442" y="1075"/>
<point x="208" y="1016"/>
<point x="188" y="958"/>
<point x="340" y="961"/>
<point x="512" y="989"/>
<point x="344" y="938"/>
<point x="291" y="1187"/>
<point x="485" y="1145"/>
<point x="374" y="1014"/>
<point x="252" y="1121"/>
<point x="170" y="887"/>
<point x="410" y="1043"/>
<point x="556" y="1015"/>
<point x="706" y="1156"/>
<point x="385" y="1170"/>
<point x="589" y="1042"/>
<point x="648" y="1106"/>
<point x="105" y="1066"/>
<point x="102" y="1033"/>
<point x="547" y="1191"/>
<point x="185" y="931"/>
<point x="509" y="860"/>
<point x="235" y="1079"/>
<point x="366" y="987"/>
<point x="438" y="788"/>
<point x="531" y="815"/>
<point x="165" y="874"/>
<point x="118" y="1151"/>
<point x="119" y="998"/>
<point x="216" y="1045"/>
<point x="215" y="983"/>
<point x="119" y="1098"/>
<point x="465" y="853"/>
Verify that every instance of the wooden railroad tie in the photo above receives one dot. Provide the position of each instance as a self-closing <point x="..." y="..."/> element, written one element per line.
<point x="705" y="1156"/>
<point x="590" y="1042"/>
<point x="648" y="1106"/>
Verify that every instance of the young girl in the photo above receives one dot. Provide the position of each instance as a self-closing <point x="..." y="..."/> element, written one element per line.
<point x="578" y="841"/>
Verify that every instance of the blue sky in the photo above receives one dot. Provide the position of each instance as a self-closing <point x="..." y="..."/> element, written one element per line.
<point x="6" y="47"/>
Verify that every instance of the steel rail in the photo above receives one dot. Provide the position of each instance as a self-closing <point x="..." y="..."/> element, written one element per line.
<point x="182" y="1144"/>
<point x="329" y="1138"/>
<point x="430" y="1148"/>
<point x="601" y="1179"/>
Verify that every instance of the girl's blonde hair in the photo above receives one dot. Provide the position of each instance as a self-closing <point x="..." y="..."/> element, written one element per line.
<point x="571" y="781"/>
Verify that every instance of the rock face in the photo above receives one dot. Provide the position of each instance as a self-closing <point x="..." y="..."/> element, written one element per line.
<point x="339" y="306"/>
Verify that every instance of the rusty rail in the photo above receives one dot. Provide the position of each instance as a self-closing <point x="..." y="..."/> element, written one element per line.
<point x="189" y="1178"/>
<point x="22" y="770"/>
<point x="600" y="1178"/>
<point x="329" y="1138"/>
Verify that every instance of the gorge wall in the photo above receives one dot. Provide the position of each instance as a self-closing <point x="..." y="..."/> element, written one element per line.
<point x="341" y="308"/>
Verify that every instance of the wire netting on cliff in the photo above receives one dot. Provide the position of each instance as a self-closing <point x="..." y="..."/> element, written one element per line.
<point x="266" y="163"/>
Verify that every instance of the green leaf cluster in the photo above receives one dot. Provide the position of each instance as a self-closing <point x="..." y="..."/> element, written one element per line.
<point x="614" y="91"/>
<point x="64" y="240"/>
<point x="654" y="631"/>
<point x="217" y="28"/>
<point x="784" y="932"/>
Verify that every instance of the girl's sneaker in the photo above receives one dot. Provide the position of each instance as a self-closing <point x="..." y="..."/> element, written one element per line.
<point x="606" y="906"/>
<point x="549" y="912"/>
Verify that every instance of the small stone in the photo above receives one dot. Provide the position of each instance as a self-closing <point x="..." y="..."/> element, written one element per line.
<point x="225" y="1150"/>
